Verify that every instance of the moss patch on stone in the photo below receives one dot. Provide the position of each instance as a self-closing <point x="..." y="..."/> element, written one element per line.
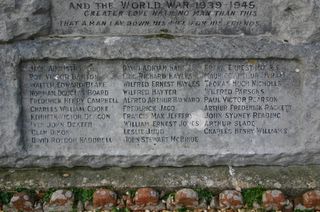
<point x="252" y="195"/>
<point x="204" y="194"/>
<point x="47" y="195"/>
<point x="131" y="192"/>
<point x="182" y="210"/>
<point x="5" y="197"/>
<point x="114" y="209"/>
<point x="83" y="194"/>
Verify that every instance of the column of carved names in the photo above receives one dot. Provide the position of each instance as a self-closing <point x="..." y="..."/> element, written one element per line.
<point x="243" y="98"/>
<point x="65" y="102"/>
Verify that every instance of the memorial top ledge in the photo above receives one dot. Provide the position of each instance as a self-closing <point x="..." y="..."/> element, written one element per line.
<point x="294" y="21"/>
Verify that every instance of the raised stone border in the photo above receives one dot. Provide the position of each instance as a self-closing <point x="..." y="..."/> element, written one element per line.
<point x="299" y="150"/>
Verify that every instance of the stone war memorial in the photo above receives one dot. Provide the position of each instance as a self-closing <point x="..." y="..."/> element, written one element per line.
<point x="130" y="105"/>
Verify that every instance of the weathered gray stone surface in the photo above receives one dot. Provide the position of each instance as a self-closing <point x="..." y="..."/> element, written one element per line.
<point x="285" y="41"/>
<point x="292" y="180"/>
<point x="170" y="107"/>
<point x="300" y="146"/>
<point x="22" y="19"/>
<point x="152" y="16"/>
<point x="297" y="21"/>
<point x="294" y="21"/>
<point x="10" y="105"/>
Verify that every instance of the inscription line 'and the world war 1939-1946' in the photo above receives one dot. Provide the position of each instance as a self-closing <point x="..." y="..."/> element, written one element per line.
<point x="174" y="16"/>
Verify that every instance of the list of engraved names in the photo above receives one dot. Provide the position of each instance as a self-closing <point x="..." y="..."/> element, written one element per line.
<point x="156" y="101"/>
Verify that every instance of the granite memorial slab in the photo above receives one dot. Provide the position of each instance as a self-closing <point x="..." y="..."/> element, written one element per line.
<point x="159" y="83"/>
<point x="109" y="104"/>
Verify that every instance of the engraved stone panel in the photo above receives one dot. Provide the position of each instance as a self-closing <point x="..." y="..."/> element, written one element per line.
<point x="161" y="107"/>
<point x="133" y="17"/>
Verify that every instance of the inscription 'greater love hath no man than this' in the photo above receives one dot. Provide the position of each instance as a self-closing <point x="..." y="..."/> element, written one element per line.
<point x="173" y="16"/>
<point x="156" y="102"/>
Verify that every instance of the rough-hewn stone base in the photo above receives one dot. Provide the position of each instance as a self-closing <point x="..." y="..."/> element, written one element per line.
<point x="292" y="180"/>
